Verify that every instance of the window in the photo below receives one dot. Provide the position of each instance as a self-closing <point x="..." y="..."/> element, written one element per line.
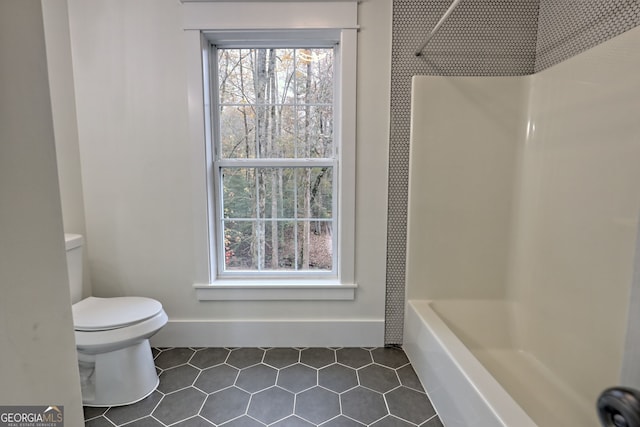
<point x="273" y="87"/>
<point x="275" y="159"/>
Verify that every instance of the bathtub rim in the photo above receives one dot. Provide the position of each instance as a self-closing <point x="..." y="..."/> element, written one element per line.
<point x="498" y="404"/>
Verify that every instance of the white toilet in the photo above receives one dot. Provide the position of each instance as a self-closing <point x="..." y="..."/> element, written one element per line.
<point x="112" y="339"/>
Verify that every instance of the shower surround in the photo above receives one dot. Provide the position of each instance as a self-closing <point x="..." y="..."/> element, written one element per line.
<point x="487" y="38"/>
<point x="523" y="209"/>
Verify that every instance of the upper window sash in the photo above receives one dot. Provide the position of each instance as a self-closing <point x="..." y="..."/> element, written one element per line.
<point x="286" y="40"/>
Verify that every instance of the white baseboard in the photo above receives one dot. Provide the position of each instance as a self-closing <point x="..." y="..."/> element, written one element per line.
<point x="271" y="333"/>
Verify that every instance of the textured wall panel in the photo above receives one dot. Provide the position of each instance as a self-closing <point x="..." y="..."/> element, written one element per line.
<point x="568" y="27"/>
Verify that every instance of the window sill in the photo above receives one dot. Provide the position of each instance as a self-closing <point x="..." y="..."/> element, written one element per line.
<point x="226" y="290"/>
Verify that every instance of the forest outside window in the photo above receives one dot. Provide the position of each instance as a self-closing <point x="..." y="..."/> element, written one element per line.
<point x="275" y="160"/>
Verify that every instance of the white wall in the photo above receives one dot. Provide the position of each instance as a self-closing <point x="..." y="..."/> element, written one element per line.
<point x="37" y="348"/>
<point x="130" y="81"/>
<point x="65" y="125"/>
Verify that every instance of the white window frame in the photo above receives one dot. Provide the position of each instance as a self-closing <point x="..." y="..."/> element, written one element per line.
<point x="335" y="21"/>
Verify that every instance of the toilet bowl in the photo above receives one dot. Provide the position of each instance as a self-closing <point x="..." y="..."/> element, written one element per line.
<point x="114" y="354"/>
<point x="112" y="341"/>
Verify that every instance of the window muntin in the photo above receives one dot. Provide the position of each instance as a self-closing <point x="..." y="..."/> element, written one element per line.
<point x="275" y="162"/>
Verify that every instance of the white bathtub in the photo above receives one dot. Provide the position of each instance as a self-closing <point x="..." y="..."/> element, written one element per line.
<point x="464" y="353"/>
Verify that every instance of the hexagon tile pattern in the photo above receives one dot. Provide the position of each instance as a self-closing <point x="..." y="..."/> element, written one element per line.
<point x="279" y="387"/>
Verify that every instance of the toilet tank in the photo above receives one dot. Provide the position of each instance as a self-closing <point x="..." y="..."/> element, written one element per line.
<point x="73" y="243"/>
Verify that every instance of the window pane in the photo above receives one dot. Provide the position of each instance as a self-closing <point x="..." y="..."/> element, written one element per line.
<point x="235" y="75"/>
<point x="238" y="193"/>
<point x="276" y="103"/>
<point x="238" y="243"/>
<point x="314" y="76"/>
<point x="314" y="193"/>
<point x="284" y="79"/>
<point x="315" y="132"/>
<point x="237" y="132"/>
<point x="287" y="246"/>
<point x="315" y="245"/>
<point x="280" y="245"/>
<point x="275" y="193"/>
<point x="286" y="132"/>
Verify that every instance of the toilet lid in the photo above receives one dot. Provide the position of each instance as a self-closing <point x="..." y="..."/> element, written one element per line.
<point x="100" y="314"/>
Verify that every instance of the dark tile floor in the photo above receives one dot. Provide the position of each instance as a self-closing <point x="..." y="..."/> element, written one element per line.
<point x="279" y="387"/>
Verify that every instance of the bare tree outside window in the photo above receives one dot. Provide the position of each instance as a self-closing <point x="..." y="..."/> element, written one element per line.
<point x="276" y="159"/>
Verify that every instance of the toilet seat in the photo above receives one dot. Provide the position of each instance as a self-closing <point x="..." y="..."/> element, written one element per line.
<point x="103" y="314"/>
<point x="95" y="342"/>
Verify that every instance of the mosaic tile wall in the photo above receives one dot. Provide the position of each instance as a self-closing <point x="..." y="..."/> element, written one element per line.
<point x="568" y="27"/>
<point x="480" y="38"/>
